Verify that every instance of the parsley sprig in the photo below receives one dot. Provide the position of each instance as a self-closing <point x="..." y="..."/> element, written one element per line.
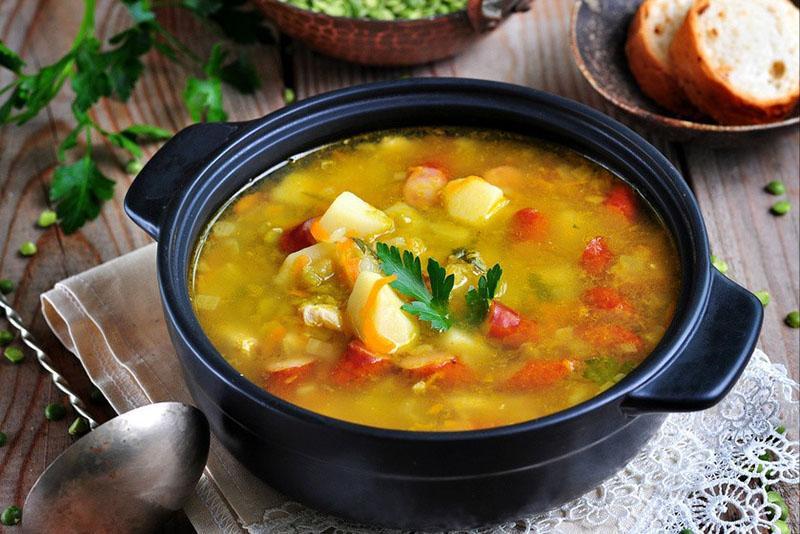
<point x="96" y="70"/>
<point x="430" y="305"/>
<point x="479" y="299"/>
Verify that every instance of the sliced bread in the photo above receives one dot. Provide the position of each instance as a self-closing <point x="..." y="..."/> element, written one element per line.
<point x="738" y="61"/>
<point x="647" y="48"/>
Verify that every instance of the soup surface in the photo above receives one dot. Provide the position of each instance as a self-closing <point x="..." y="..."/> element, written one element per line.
<point x="436" y="279"/>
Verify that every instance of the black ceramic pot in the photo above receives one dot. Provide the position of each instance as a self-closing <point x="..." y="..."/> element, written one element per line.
<point x="439" y="479"/>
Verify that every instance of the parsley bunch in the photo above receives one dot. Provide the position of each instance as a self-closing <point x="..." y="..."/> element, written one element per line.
<point x="96" y="71"/>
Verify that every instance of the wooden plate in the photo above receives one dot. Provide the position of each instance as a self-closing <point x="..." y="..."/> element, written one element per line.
<point x="598" y="32"/>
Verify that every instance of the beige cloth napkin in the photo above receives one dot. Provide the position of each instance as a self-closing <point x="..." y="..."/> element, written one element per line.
<point x="110" y="317"/>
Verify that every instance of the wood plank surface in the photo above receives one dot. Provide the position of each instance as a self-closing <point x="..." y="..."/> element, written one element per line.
<point x="530" y="49"/>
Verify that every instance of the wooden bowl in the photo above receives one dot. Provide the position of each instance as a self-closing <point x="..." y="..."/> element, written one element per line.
<point x="390" y="43"/>
<point x="599" y="29"/>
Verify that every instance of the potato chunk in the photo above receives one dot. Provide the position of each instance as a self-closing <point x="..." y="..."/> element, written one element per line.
<point x="374" y="312"/>
<point x="295" y="262"/>
<point x="473" y="200"/>
<point x="349" y="216"/>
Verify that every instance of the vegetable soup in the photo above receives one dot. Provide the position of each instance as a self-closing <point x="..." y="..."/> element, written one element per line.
<point x="436" y="279"/>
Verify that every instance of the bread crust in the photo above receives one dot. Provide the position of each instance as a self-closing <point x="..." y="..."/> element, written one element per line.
<point x="655" y="79"/>
<point x="709" y="91"/>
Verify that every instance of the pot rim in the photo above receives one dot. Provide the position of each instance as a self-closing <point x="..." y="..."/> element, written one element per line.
<point x="695" y="287"/>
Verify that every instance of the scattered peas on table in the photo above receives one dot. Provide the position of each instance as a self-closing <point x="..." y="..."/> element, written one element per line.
<point x="11" y="516"/>
<point x="289" y="96"/>
<point x="763" y="296"/>
<point x="55" y="412"/>
<point x="793" y="319"/>
<point x="782" y="207"/>
<point x="720" y="264"/>
<point x="6" y="286"/>
<point x="46" y="218"/>
<point x="14" y="354"/>
<point x="79" y="427"/>
<point x="6" y="337"/>
<point x="28" y="248"/>
<point x="776" y="187"/>
<point x="381" y="9"/>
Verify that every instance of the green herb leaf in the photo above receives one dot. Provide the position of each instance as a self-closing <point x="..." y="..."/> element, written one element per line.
<point x="203" y="99"/>
<point x="34" y="92"/>
<point x="428" y="305"/>
<point x="126" y="143"/>
<point x="79" y="190"/>
<point x="603" y="370"/>
<point x="10" y="59"/>
<point x="241" y="24"/>
<point x="140" y="10"/>
<point x="146" y="132"/>
<point x="124" y="62"/>
<point x="90" y="82"/>
<point x="478" y="299"/>
<point x="202" y="8"/>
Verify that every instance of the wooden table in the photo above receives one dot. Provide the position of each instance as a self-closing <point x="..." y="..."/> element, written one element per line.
<point x="530" y="49"/>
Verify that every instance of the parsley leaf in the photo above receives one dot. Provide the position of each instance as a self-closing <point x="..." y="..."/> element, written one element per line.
<point x="10" y="59"/>
<point x="146" y="132"/>
<point x="603" y="369"/>
<point x="428" y="305"/>
<point x="78" y="191"/>
<point x="478" y="299"/>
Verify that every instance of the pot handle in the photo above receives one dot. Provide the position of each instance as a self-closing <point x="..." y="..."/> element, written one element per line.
<point x="170" y="169"/>
<point x="485" y="15"/>
<point x="712" y="360"/>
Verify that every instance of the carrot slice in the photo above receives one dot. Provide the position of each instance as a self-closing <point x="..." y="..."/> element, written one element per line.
<point x="605" y="298"/>
<point x="596" y="256"/>
<point x="608" y="336"/>
<point x="288" y="379"/>
<point x="359" y="364"/>
<point x="537" y="374"/>
<point x="448" y="372"/>
<point x="622" y="199"/>
<point x="372" y="338"/>
<point x="528" y="225"/>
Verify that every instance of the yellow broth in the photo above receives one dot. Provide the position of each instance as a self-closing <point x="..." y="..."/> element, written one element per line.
<point x="588" y="271"/>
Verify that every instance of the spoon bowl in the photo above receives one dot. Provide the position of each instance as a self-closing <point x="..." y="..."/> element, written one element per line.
<point x="127" y="476"/>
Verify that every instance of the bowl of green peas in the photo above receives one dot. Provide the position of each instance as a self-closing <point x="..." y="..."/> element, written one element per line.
<point x="388" y="32"/>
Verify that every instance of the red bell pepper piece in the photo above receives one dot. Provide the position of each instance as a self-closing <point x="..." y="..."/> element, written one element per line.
<point x="596" y="256"/>
<point x="359" y="364"/>
<point x="297" y="238"/>
<point x="528" y="225"/>
<point x="623" y="199"/>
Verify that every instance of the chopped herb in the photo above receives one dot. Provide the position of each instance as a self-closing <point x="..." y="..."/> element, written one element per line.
<point x="428" y="305"/>
<point x="55" y="411"/>
<point x="6" y="286"/>
<point x="478" y="299"/>
<point x="473" y="257"/>
<point x="603" y="370"/>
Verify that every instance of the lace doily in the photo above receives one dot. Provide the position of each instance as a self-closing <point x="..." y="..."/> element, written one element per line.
<point x="704" y="471"/>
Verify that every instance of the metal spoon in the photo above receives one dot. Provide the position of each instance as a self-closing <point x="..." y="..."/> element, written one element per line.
<point x="126" y="476"/>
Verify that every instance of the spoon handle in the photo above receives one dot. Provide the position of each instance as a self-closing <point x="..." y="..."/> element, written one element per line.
<point x="45" y="361"/>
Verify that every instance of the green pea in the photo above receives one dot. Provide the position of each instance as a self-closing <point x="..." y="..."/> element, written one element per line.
<point x="134" y="166"/>
<point x="782" y="207"/>
<point x="11" y="516"/>
<point x="3" y="439"/>
<point x="55" y="412"/>
<point x="14" y="354"/>
<point x="47" y="218"/>
<point x="28" y="248"/>
<point x="687" y="531"/>
<point x="79" y="427"/>
<point x="763" y="296"/>
<point x="781" y="429"/>
<point x="6" y="337"/>
<point x="289" y="96"/>
<point x="776" y="187"/>
<point x="781" y="527"/>
<point x="720" y="264"/>
<point x="6" y="286"/>
<point x="793" y="319"/>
